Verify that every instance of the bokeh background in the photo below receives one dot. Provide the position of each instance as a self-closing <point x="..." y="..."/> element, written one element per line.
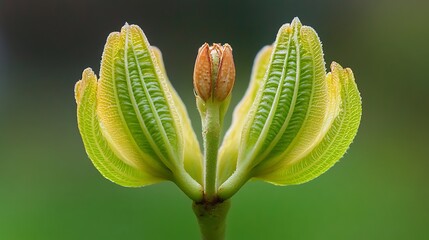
<point x="50" y="190"/>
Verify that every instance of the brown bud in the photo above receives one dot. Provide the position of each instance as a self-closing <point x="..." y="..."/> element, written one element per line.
<point x="202" y="73"/>
<point x="226" y="74"/>
<point x="214" y="72"/>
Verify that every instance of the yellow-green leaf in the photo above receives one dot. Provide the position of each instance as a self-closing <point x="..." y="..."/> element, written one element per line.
<point x="340" y="127"/>
<point x="192" y="152"/>
<point x="135" y="105"/>
<point x="309" y="109"/>
<point x="228" y="151"/>
<point x="108" y="160"/>
<point x="290" y="106"/>
<point x="301" y="120"/>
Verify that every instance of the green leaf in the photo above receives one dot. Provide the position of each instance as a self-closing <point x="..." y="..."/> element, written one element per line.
<point x="290" y="106"/>
<point x="192" y="152"/>
<point x="111" y="164"/>
<point x="228" y="151"/>
<point x="141" y="117"/>
<point x="301" y="121"/>
<point x="135" y="104"/>
<point x="340" y="127"/>
<point x="307" y="119"/>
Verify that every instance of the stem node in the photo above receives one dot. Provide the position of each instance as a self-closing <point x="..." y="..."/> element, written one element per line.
<point x="212" y="219"/>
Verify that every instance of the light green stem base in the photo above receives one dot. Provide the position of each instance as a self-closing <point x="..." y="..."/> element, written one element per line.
<point x="211" y="136"/>
<point x="212" y="219"/>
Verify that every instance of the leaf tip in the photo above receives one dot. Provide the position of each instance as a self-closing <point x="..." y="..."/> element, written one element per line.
<point x="336" y="66"/>
<point x="296" y="21"/>
<point x="87" y="76"/>
<point x="125" y="29"/>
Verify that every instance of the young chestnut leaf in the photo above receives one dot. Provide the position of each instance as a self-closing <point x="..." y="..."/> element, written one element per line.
<point x="227" y="153"/>
<point x="192" y="152"/>
<point x="340" y="126"/>
<point x="140" y="116"/>
<point x="105" y="158"/>
<point x="295" y="109"/>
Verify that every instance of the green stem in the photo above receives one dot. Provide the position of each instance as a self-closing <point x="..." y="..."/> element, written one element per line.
<point x="233" y="183"/>
<point x="212" y="219"/>
<point x="188" y="185"/>
<point x="211" y="135"/>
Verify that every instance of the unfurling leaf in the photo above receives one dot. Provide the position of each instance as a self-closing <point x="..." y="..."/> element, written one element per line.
<point x="295" y="121"/>
<point x="139" y="116"/>
<point x="105" y="158"/>
<point x="228" y="152"/>
<point x="339" y="128"/>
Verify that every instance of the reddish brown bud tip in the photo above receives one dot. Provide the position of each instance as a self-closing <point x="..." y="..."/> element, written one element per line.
<point x="226" y="74"/>
<point x="202" y="73"/>
<point x="214" y="72"/>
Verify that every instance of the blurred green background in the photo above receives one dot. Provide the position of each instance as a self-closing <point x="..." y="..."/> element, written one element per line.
<point x="50" y="190"/>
